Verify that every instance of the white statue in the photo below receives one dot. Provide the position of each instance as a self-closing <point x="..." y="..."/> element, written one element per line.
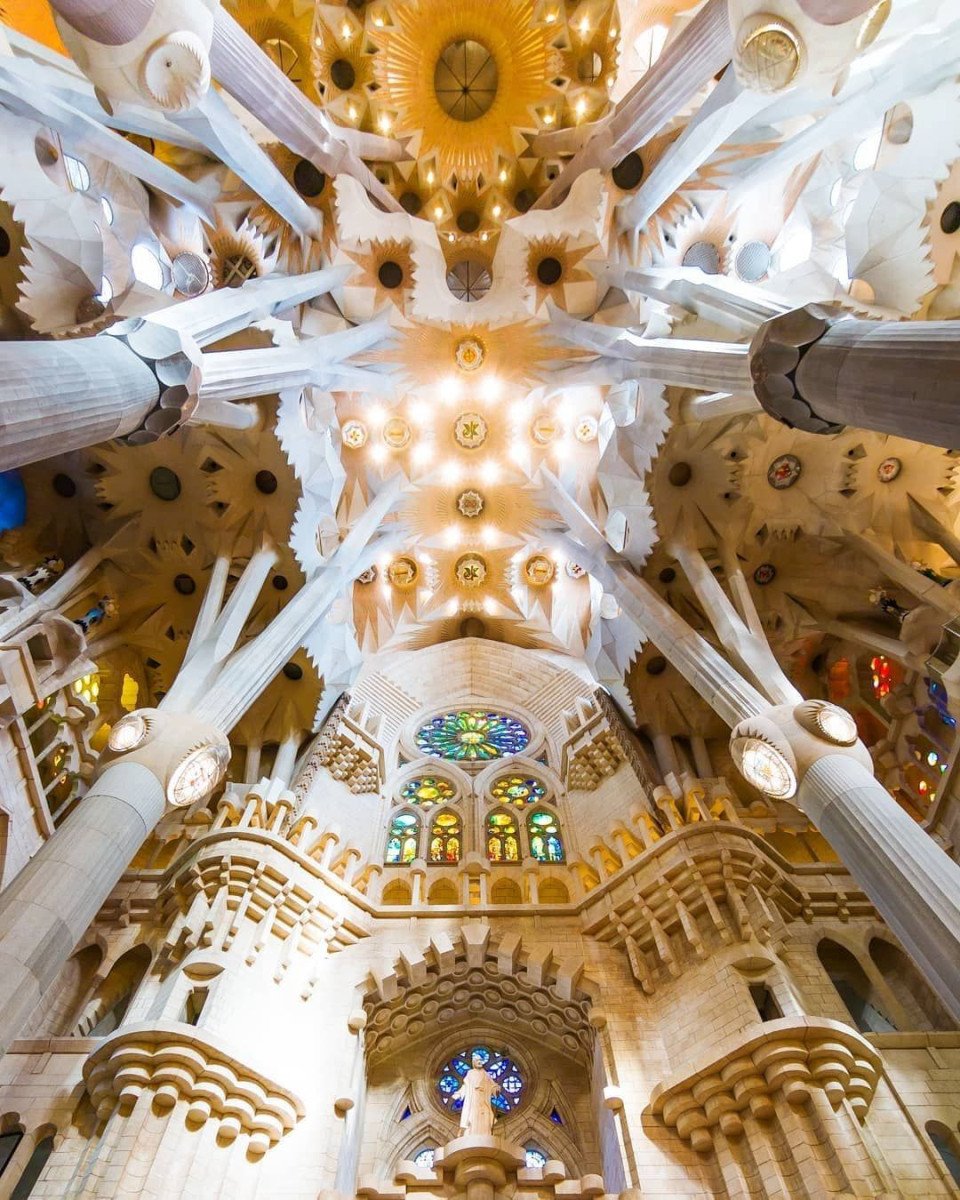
<point x="477" y="1091"/>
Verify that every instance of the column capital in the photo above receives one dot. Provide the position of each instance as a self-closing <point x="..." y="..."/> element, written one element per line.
<point x="777" y="349"/>
<point x="175" y="360"/>
<point x="187" y="756"/>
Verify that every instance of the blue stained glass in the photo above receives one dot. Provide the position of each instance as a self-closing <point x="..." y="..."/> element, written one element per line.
<point x="472" y="735"/>
<point x="13" y="500"/>
<point x="535" y="1158"/>
<point x="501" y="1069"/>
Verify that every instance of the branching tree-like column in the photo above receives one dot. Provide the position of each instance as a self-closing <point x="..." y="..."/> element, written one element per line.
<point x="174" y="754"/>
<point x="685" y="66"/>
<point x="140" y="379"/>
<point x="808" y="753"/>
<point x="818" y="372"/>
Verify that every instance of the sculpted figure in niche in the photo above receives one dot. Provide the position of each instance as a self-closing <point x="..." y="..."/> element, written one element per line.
<point x="476" y="1116"/>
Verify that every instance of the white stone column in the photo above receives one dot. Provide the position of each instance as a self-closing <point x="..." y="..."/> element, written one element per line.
<point x="106" y="21"/>
<point x="58" y="396"/>
<point x="818" y="373"/>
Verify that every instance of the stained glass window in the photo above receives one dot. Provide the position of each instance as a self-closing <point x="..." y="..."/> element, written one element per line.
<point x="518" y="790"/>
<point x="535" y="1158"/>
<point x="472" y="735"/>
<point x="445" y="838"/>
<point x="503" y="842"/>
<point x="500" y="1068"/>
<point x="882" y="677"/>
<point x="402" y="839"/>
<point x="427" y="791"/>
<point x="425" y="1157"/>
<point x="546" y="844"/>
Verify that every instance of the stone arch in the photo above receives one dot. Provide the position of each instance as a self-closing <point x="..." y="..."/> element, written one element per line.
<point x="108" y="1008"/>
<point x="443" y="891"/>
<point x="393" y="831"/>
<point x="494" y="842"/>
<point x="506" y="891"/>
<point x="915" y="995"/>
<point x="31" y="1158"/>
<point x="454" y="775"/>
<point x="397" y="891"/>
<point x="58" y="1012"/>
<point x="521" y="764"/>
<point x="854" y="987"/>
<point x="947" y="1146"/>
<point x="553" y="891"/>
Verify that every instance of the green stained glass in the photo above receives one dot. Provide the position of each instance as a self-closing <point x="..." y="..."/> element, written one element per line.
<point x="472" y="735"/>
<point x="546" y="844"/>
<point x="402" y="839"/>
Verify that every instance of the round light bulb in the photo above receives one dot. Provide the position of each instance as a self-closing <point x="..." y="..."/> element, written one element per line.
<point x="197" y="776"/>
<point x="127" y="734"/>
<point x="767" y="769"/>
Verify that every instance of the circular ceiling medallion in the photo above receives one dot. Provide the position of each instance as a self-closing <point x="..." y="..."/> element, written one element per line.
<point x="545" y="428"/>
<point x="396" y="433"/>
<point x="368" y="576"/>
<point x="471" y="571"/>
<point x="784" y="472"/>
<point x="190" y="273"/>
<point x="753" y="261"/>
<point x="539" y="570"/>
<point x="586" y="428"/>
<point x="470" y="503"/>
<point x="470" y="430"/>
<point x="770" y="56"/>
<point x="402" y="573"/>
<point x="469" y="354"/>
<point x="889" y="469"/>
<point x="354" y="434"/>
<point x="469" y="280"/>
<point x="764" y="574"/>
<point x="575" y="571"/>
<point x="465" y="80"/>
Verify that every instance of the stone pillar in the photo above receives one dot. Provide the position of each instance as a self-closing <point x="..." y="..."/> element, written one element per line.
<point x="814" y="758"/>
<point x="105" y="21"/>
<point x="815" y="372"/>
<point x="53" y="901"/>
<point x="57" y="396"/>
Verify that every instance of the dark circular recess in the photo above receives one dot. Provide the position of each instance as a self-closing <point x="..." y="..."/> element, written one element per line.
<point x="680" y="474"/>
<point x="164" y="483"/>
<point x="468" y="221"/>
<point x="950" y="217"/>
<point x="185" y="584"/>
<point x="64" y="486"/>
<point x="343" y="74"/>
<point x="465" y="80"/>
<point x="524" y="199"/>
<point x="410" y="202"/>
<point x="628" y="172"/>
<point x="293" y="671"/>
<point x="549" y="271"/>
<point x="472" y="627"/>
<point x="390" y="274"/>
<point x="667" y="575"/>
<point x="657" y="665"/>
<point x="4" y="243"/>
<point x="307" y="179"/>
<point x="266" y="482"/>
<point x="280" y="583"/>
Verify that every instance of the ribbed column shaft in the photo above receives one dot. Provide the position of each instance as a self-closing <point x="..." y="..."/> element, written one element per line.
<point x="890" y="376"/>
<point x="106" y="21"/>
<point x="61" y="396"/>
<point x="912" y="882"/>
<point x="54" y="900"/>
<point x="707" y="366"/>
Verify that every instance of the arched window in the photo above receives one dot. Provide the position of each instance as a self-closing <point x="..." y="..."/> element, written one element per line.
<point x="117" y="990"/>
<point x="518" y="789"/>
<point x="425" y="1157"/>
<point x="947" y="1148"/>
<point x="396" y="892"/>
<point x="546" y="844"/>
<point x="536" y="1159"/>
<point x="916" y="997"/>
<point x="855" y="989"/>
<point x="503" y="841"/>
<point x="10" y="1139"/>
<point x="506" y="891"/>
<point x="443" y="891"/>
<point x="33" y="1169"/>
<point x="403" y="839"/>
<point x="445" y="838"/>
<point x="552" y="891"/>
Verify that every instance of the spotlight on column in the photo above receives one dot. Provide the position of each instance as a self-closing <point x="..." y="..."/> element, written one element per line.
<point x="764" y="758"/>
<point x="827" y="721"/>
<point x="127" y="734"/>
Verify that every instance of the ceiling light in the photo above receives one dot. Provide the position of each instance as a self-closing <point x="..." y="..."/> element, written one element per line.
<point x="548" y="118"/>
<point x="378" y="452"/>
<point x="490" y="471"/>
<point x="581" y="106"/>
<point x="491" y="389"/>
<point x="450" y="472"/>
<point x="127" y="734"/>
<point x="503" y="174"/>
<point x="420" y="455"/>
<point x="352" y="112"/>
<point x="376" y="414"/>
<point x="827" y="721"/>
<point x="584" y="25"/>
<point x="497" y="210"/>
<point x="438" y="211"/>
<point x="384" y="123"/>
<point x="345" y="31"/>
<point x="767" y="769"/>
<point x="430" y="178"/>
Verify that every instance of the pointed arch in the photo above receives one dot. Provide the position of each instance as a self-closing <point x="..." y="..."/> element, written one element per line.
<point x="502" y="836"/>
<point x="106" y="1012"/>
<point x="403" y="838"/>
<point x="445" y="843"/>
<point x="544" y="836"/>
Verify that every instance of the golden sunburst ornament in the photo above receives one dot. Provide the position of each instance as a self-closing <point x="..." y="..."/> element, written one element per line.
<point x="467" y="76"/>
